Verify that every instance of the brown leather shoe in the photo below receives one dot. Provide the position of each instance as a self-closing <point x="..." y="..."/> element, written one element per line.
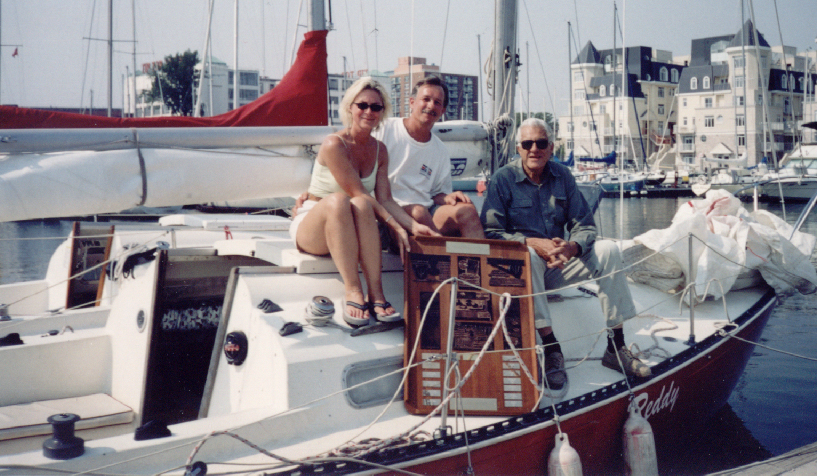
<point x="632" y="366"/>
<point x="555" y="370"/>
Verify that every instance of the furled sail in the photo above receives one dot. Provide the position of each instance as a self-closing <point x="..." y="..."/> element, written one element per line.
<point x="58" y="165"/>
<point x="300" y="99"/>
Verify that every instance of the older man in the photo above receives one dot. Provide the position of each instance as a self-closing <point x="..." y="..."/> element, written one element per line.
<point x="533" y="200"/>
<point x="420" y="165"/>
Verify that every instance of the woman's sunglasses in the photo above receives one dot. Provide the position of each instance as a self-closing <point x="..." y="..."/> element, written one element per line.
<point x="364" y="105"/>
<point x="540" y="144"/>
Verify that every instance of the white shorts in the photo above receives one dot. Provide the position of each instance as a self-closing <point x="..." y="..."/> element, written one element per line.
<point x="293" y="228"/>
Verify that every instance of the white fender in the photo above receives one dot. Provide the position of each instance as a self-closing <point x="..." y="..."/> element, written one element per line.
<point x="564" y="460"/>
<point x="639" y="446"/>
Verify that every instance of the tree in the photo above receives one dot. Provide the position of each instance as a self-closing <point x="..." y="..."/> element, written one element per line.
<point x="177" y="77"/>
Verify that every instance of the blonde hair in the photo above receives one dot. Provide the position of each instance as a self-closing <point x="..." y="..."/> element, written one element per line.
<point x="354" y="90"/>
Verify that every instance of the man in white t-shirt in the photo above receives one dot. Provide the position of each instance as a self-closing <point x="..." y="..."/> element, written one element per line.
<point x="420" y="165"/>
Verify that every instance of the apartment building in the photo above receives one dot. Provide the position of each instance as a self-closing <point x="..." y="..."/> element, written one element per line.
<point x="635" y="120"/>
<point x="339" y="83"/>
<point x="463" y="90"/>
<point x="222" y="98"/>
<point x="739" y="95"/>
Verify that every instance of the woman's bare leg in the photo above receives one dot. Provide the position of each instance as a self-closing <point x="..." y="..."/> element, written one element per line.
<point x="330" y="228"/>
<point x="370" y="254"/>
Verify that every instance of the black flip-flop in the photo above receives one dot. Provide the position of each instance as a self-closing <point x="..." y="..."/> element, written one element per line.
<point x="394" y="317"/>
<point x="355" y="321"/>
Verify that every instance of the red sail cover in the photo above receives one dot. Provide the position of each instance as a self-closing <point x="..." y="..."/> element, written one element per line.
<point x="300" y="99"/>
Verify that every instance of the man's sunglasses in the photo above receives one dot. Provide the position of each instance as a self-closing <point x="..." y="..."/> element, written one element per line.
<point x="364" y="105"/>
<point x="540" y="144"/>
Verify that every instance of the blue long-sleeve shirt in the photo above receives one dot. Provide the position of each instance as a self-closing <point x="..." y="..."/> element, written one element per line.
<point x="516" y="208"/>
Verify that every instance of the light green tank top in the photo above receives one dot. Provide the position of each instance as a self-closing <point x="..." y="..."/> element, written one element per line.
<point x="323" y="183"/>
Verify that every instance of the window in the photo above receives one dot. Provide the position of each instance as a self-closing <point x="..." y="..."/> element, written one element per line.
<point x="570" y="144"/>
<point x="661" y="109"/>
<point x="602" y="108"/>
<point x="569" y="127"/>
<point x="740" y="81"/>
<point x="578" y="76"/>
<point x="660" y="92"/>
<point x="674" y="75"/>
<point x="685" y="102"/>
<point x="612" y="90"/>
<point x="248" y="94"/>
<point x="333" y="84"/>
<point x="602" y="91"/>
<point x="739" y="62"/>
<point x="708" y="103"/>
<point x="248" y="79"/>
<point x="685" y="120"/>
<point x="741" y="140"/>
<point x="706" y="84"/>
<point x="578" y="94"/>
<point x="709" y="121"/>
<point x="663" y="74"/>
<point x="739" y="100"/>
<point x="740" y="120"/>
<point x="760" y="99"/>
<point x="689" y="143"/>
<point x="660" y="127"/>
<point x="578" y="110"/>
<point x="693" y="83"/>
<point x="784" y="83"/>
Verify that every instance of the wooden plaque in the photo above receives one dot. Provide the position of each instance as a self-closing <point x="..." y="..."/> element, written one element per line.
<point x="499" y="386"/>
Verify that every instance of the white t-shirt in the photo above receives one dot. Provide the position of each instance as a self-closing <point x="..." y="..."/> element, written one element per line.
<point x="417" y="170"/>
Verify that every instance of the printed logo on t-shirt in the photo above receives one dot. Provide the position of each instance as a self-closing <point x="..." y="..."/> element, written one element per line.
<point x="425" y="170"/>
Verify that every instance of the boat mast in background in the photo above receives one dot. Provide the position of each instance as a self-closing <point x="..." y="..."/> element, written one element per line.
<point x="570" y="86"/>
<point x="110" y="56"/>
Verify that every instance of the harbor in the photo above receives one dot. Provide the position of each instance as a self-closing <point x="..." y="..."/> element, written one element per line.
<point x="769" y="413"/>
<point x="190" y="335"/>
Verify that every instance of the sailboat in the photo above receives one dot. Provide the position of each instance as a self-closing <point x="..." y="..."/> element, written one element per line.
<point x="209" y="343"/>
<point x="797" y="177"/>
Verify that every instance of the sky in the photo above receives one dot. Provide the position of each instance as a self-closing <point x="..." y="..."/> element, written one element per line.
<point x="62" y="56"/>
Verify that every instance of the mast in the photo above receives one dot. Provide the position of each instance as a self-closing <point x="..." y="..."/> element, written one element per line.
<point x="570" y="86"/>
<point x="204" y="60"/>
<point x="235" y="61"/>
<point x="317" y="16"/>
<point x="479" y="92"/>
<point x="133" y="19"/>
<point x="110" y="56"/>
<point x="613" y="76"/>
<point x="505" y="61"/>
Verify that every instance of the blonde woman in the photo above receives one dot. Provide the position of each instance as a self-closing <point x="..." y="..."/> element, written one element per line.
<point x="340" y="214"/>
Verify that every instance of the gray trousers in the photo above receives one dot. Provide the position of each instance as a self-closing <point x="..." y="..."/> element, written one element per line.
<point x="603" y="259"/>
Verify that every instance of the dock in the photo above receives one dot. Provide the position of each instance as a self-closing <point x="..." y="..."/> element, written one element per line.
<point x="654" y="192"/>
<point x="800" y="461"/>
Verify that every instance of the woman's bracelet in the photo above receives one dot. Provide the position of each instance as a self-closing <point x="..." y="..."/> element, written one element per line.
<point x="389" y="218"/>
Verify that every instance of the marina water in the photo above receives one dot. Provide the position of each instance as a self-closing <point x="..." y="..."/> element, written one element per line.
<point x="772" y="410"/>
